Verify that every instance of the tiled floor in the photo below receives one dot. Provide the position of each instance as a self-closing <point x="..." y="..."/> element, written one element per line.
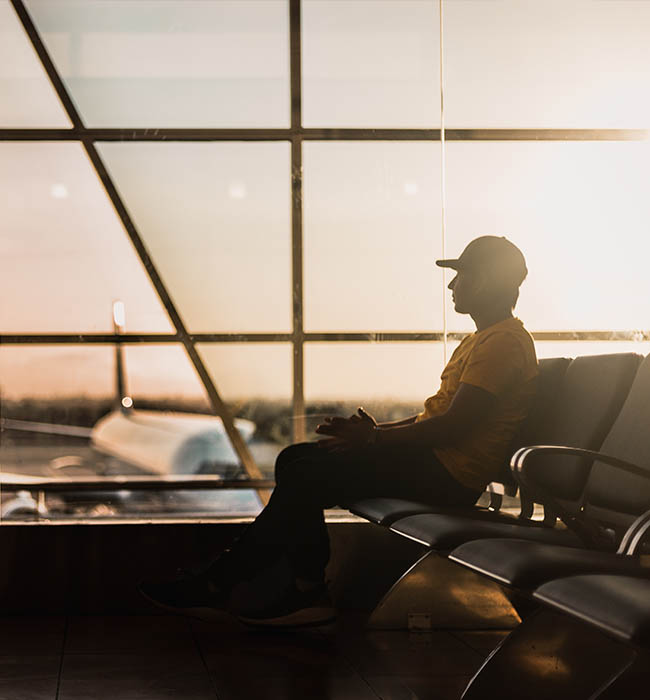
<point x="158" y="657"/>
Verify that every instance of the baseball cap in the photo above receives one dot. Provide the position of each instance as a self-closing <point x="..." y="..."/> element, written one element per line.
<point x="493" y="254"/>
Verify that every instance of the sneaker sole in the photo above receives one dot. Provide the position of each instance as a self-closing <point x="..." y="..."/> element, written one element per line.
<point x="308" y="617"/>
<point x="206" y="614"/>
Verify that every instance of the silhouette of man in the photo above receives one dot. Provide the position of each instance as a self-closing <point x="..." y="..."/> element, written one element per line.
<point x="445" y="455"/>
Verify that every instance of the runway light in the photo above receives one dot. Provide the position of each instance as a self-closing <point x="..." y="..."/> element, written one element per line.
<point x="119" y="314"/>
<point x="59" y="191"/>
<point x="127" y="402"/>
<point x="411" y="188"/>
<point x="237" y="190"/>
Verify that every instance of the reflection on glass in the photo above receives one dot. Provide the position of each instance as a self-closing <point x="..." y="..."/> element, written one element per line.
<point x="216" y="219"/>
<point x="371" y="235"/>
<point x="552" y="64"/>
<point x="371" y="63"/>
<point x="27" y="99"/>
<point x="171" y="63"/>
<point x="65" y="256"/>
<point x="579" y="212"/>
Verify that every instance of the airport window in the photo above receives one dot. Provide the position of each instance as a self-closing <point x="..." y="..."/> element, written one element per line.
<point x="218" y="222"/>
<point x="171" y="63"/>
<point x="554" y="64"/>
<point x="370" y="64"/>
<point x="371" y="212"/>
<point x="374" y="371"/>
<point x="27" y="98"/>
<point x="65" y="254"/>
<point x="578" y="209"/>
<point x="216" y="219"/>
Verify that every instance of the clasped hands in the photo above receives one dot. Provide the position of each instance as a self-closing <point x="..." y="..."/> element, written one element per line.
<point x="347" y="432"/>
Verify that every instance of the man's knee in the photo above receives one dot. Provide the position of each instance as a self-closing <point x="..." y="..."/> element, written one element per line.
<point x="290" y="454"/>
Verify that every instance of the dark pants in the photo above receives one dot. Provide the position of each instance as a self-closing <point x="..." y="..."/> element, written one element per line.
<point x="309" y="479"/>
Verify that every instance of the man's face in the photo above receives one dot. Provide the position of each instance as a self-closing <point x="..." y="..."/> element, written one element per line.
<point x="465" y="288"/>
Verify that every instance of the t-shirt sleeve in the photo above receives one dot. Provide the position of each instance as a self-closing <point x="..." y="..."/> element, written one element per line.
<point x="496" y="364"/>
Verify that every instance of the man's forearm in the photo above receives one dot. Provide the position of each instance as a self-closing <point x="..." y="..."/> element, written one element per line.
<point x="398" y="423"/>
<point x="470" y="407"/>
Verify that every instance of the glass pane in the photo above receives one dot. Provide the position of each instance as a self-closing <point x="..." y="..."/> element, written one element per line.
<point x="60" y="420"/>
<point x="171" y="63"/>
<point x="371" y="63"/>
<point x="49" y="373"/>
<point x="390" y="380"/>
<point x="372" y="233"/>
<point x="255" y="379"/>
<point x="379" y="372"/>
<point x="250" y="371"/>
<point x="216" y="218"/>
<point x="579" y="212"/>
<point x="65" y="256"/>
<point x="27" y="98"/>
<point x="553" y="64"/>
<point x="163" y="373"/>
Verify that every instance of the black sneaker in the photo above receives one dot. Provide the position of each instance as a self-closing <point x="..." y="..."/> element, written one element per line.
<point x="294" y="608"/>
<point x="188" y="594"/>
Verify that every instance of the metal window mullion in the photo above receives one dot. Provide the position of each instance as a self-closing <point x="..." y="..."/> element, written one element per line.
<point x="313" y="337"/>
<point x="297" y="289"/>
<point x="319" y="134"/>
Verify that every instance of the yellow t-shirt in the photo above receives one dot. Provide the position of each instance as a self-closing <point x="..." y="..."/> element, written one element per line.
<point x="500" y="359"/>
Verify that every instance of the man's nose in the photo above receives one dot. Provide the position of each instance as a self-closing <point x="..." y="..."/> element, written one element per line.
<point x="452" y="284"/>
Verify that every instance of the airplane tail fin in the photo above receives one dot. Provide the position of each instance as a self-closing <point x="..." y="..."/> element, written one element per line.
<point x="123" y="401"/>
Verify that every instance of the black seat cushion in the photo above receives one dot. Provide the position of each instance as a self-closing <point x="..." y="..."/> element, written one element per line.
<point x="526" y="565"/>
<point x="619" y="605"/>
<point x="385" y="511"/>
<point x="443" y="531"/>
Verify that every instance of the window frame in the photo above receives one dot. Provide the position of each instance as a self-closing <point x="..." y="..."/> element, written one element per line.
<point x="295" y="135"/>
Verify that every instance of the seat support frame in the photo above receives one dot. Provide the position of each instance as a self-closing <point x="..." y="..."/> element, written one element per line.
<point x="436" y="594"/>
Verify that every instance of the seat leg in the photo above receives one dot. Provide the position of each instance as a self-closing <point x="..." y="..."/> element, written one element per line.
<point x="551" y="656"/>
<point x="436" y="594"/>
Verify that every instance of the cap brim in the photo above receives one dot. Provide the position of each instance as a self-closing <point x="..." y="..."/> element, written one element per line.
<point x="453" y="264"/>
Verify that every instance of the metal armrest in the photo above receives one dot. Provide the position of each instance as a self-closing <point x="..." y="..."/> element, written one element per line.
<point x="520" y="456"/>
<point x="635" y="533"/>
<point x="633" y="537"/>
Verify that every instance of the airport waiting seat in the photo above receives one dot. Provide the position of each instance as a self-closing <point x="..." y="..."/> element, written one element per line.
<point x="617" y="605"/>
<point x="606" y="589"/>
<point x="589" y="638"/>
<point x="592" y="393"/>
<point x="612" y="508"/>
<point x="385" y="511"/>
<point x="595" y="589"/>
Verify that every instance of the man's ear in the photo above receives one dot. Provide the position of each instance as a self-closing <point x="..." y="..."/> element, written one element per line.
<point x="480" y="281"/>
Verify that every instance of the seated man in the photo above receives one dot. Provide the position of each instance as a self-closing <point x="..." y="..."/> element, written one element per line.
<point x="445" y="455"/>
